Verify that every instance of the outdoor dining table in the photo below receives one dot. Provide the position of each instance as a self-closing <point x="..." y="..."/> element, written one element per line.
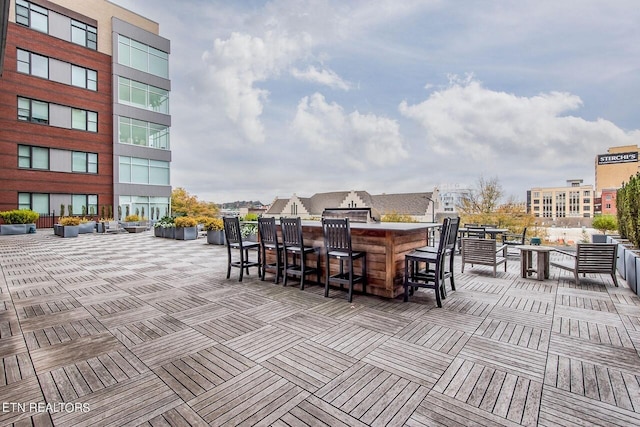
<point x="493" y="232"/>
<point x="385" y="243"/>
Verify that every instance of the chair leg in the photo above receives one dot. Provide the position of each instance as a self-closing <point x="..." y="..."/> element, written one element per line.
<point x="285" y="266"/>
<point x="303" y="268"/>
<point x="350" y="280"/>
<point x="318" y="267"/>
<point x="615" y="279"/>
<point x="406" y="280"/>
<point x="241" y="266"/>
<point x="453" y="283"/>
<point x="326" y="279"/>
<point x="364" y="274"/>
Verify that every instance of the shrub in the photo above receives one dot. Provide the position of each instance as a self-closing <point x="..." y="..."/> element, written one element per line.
<point x="186" y="221"/>
<point x="69" y="220"/>
<point x="250" y="217"/>
<point x="248" y="229"/>
<point x="165" y="222"/>
<point x="132" y="218"/>
<point x="19" y="216"/>
<point x="214" y="224"/>
<point x="397" y="217"/>
<point x="605" y="223"/>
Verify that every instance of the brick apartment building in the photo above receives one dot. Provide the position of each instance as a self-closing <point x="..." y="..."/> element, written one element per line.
<point x="84" y="109"/>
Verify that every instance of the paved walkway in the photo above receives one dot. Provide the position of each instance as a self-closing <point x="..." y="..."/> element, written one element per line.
<point x="130" y="329"/>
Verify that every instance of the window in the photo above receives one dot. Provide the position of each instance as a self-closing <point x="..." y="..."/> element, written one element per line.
<point x="607" y="197"/>
<point x="33" y="157"/>
<point x="84" y="35"/>
<point x="536" y="194"/>
<point x="37" y="202"/>
<point x="84" y="162"/>
<point x="138" y="132"/>
<point x="33" y="111"/>
<point x="84" y="203"/>
<point x="135" y="170"/>
<point x="33" y="64"/>
<point x="32" y="16"/>
<point x="84" y="77"/>
<point x="142" y="95"/>
<point x="587" y="193"/>
<point x="142" y="57"/>
<point x="586" y="208"/>
<point x="607" y="205"/>
<point x="84" y="120"/>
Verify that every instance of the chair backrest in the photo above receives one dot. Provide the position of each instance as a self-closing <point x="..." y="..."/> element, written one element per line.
<point x="480" y="251"/>
<point x="268" y="231"/>
<point x="524" y="235"/>
<point x="596" y="257"/>
<point x="291" y="232"/>
<point x="452" y="233"/>
<point x="468" y="224"/>
<point x="337" y="234"/>
<point x="489" y="225"/>
<point x="232" y="230"/>
<point x="476" y="232"/>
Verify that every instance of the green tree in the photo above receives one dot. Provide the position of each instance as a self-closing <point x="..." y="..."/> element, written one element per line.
<point x="605" y="223"/>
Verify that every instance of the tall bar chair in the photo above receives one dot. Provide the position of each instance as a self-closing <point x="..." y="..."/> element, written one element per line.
<point x="235" y="242"/>
<point x="269" y="244"/>
<point x="337" y="241"/>
<point x="295" y="251"/>
<point x="450" y="227"/>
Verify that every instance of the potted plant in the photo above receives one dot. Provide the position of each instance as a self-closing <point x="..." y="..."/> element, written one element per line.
<point x="603" y="223"/>
<point x="164" y="227"/>
<point x="68" y="226"/>
<point x="215" y="231"/>
<point x="249" y="232"/>
<point x="186" y="228"/>
<point x="131" y="221"/>
<point x="18" y="221"/>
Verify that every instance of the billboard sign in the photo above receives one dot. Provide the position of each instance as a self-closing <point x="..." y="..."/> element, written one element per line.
<point x="608" y="159"/>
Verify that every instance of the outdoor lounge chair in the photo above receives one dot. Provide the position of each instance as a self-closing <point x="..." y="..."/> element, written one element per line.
<point x="591" y="258"/>
<point x="483" y="252"/>
<point x="514" y="239"/>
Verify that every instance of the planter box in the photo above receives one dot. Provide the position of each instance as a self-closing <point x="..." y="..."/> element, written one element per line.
<point x="169" y="233"/>
<point x="215" y="237"/>
<point x="68" y="230"/>
<point x="100" y="227"/>
<point x="9" y="229"/>
<point x="631" y="264"/>
<point x="599" y="238"/>
<point x="251" y="238"/>
<point x="620" y="264"/>
<point x="87" y="227"/>
<point x="157" y="231"/>
<point x="186" y="233"/>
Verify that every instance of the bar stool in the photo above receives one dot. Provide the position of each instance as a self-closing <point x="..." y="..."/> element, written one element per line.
<point x="337" y="241"/>
<point x="450" y="233"/>
<point x="293" y="245"/>
<point x="234" y="241"/>
<point x="269" y="243"/>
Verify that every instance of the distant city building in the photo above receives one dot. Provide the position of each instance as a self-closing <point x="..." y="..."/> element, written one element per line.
<point x="574" y="200"/>
<point x="451" y="195"/>
<point x="85" y="117"/>
<point x="615" y="167"/>
<point x="420" y="206"/>
<point x="611" y="171"/>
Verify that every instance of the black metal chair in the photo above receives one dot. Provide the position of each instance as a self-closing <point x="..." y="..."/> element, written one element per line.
<point x="337" y="241"/>
<point x="514" y="239"/>
<point x="293" y="245"/>
<point x="234" y="241"/>
<point x="476" y="232"/>
<point x="414" y="277"/>
<point x="269" y="243"/>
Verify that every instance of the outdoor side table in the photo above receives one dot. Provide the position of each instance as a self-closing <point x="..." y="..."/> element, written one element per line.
<point x="542" y="260"/>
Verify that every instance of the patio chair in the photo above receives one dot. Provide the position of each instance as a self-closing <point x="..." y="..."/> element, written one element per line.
<point x="235" y="242"/>
<point x="514" y="239"/>
<point x="113" y="227"/>
<point x="483" y="252"/>
<point x="476" y="232"/>
<point x="590" y="258"/>
<point x="414" y="277"/>
<point x="337" y="241"/>
<point x="293" y="245"/>
<point x="267" y="230"/>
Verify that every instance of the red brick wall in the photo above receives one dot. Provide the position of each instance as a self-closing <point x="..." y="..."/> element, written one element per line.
<point x="14" y="132"/>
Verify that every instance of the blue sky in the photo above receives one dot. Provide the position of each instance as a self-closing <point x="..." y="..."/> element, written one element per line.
<point x="274" y="98"/>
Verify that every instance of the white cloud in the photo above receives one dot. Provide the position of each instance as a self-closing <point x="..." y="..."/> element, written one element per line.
<point x="323" y="77"/>
<point x="238" y="63"/>
<point x="354" y="138"/>
<point x="471" y="120"/>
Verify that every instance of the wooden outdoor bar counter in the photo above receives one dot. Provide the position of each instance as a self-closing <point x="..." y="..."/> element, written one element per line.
<point x="385" y="243"/>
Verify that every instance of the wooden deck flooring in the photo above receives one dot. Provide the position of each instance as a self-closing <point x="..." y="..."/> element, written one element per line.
<point x="130" y="329"/>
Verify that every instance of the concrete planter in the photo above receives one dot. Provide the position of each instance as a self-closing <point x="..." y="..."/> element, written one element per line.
<point x="215" y="237"/>
<point x="186" y="233"/>
<point x="169" y="233"/>
<point x="631" y="264"/>
<point x="68" y="230"/>
<point x="10" y="229"/>
<point x="157" y="231"/>
<point x="100" y="227"/>
<point x="599" y="238"/>
<point x="87" y="227"/>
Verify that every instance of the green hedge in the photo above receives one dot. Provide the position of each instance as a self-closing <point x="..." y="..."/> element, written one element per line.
<point x="628" y="206"/>
<point x="19" y="216"/>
